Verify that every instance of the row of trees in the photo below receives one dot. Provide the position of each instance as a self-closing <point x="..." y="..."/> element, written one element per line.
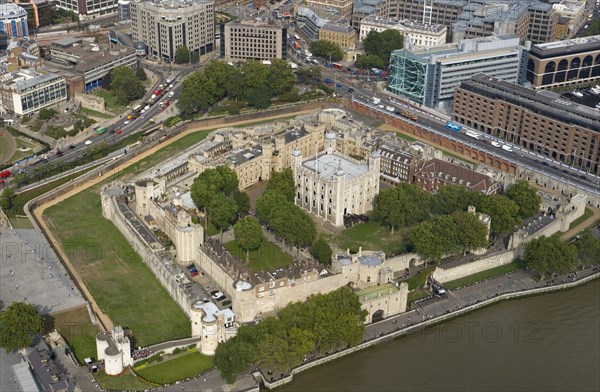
<point x="448" y="234"/>
<point x="327" y="50"/>
<point x="184" y="56"/>
<point x="407" y="204"/>
<point x="215" y="191"/>
<point x="323" y="324"/>
<point x="551" y="255"/>
<point x="254" y="83"/>
<point x="277" y="209"/>
<point x="378" y="48"/>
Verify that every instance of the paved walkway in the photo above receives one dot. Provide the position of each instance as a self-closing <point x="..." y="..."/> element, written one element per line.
<point x="583" y="225"/>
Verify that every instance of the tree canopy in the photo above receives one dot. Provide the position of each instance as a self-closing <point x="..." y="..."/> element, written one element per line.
<point x="402" y="206"/>
<point x="309" y="75"/>
<point x="255" y="83"/>
<point x="20" y="323"/>
<point x="382" y="44"/>
<point x="248" y="234"/>
<point x="282" y="183"/>
<point x="184" y="56"/>
<point x="527" y="199"/>
<point x="125" y="85"/>
<point x="364" y="61"/>
<point x="588" y="249"/>
<point x="322" y="324"/>
<point x="448" y="235"/>
<point x="547" y="255"/>
<point x="502" y="211"/>
<point x="324" y="48"/>
<point x="321" y="251"/>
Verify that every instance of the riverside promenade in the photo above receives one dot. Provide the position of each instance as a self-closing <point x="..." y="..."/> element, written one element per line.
<point x="432" y="311"/>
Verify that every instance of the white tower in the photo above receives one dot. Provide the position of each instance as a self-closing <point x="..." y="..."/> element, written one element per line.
<point x="330" y="142"/>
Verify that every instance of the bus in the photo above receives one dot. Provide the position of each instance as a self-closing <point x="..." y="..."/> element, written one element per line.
<point x="472" y="134"/>
<point x="454" y="127"/>
<point x="337" y="66"/>
<point x="100" y="131"/>
<point x="137" y="108"/>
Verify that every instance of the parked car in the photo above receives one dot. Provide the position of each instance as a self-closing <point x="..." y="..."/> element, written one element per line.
<point x="119" y="132"/>
<point x="88" y="142"/>
<point x="218" y="295"/>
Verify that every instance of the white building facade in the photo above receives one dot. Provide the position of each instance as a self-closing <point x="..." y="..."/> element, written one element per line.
<point x="420" y="35"/>
<point x="166" y="25"/>
<point x="29" y="91"/>
<point x="332" y="185"/>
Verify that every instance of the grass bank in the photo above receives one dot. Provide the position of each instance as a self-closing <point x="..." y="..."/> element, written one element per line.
<point x="179" y="368"/>
<point x="269" y="256"/>
<point x="124" y="288"/>
<point x="371" y="236"/>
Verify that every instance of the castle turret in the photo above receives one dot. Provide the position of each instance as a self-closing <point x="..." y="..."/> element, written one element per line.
<point x="330" y="142"/>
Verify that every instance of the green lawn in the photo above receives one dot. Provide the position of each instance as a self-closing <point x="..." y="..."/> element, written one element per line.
<point x="128" y="381"/>
<point x="109" y="101"/>
<point x="209" y="229"/>
<point x="95" y="113"/>
<point x="406" y="137"/>
<point x="77" y="329"/>
<point x="269" y="256"/>
<point x="586" y="214"/>
<point x="20" y="142"/>
<point x="259" y="122"/>
<point x="114" y="273"/>
<point x="20" y="222"/>
<point x="371" y="236"/>
<point x="181" y="367"/>
<point x="3" y="145"/>
<point x="491" y="273"/>
<point x="458" y="157"/>
<point x="417" y="295"/>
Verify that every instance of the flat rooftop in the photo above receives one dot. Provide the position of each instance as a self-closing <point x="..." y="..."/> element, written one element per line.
<point x="32" y="273"/>
<point x="567" y="47"/>
<point x="373" y="292"/>
<point x="328" y="165"/>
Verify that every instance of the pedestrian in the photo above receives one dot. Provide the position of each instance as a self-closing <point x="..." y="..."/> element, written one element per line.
<point x="205" y="380"/>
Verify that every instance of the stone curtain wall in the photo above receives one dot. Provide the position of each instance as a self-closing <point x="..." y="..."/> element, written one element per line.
<point x="444" y="275"/>
<point x="90" y="101"/>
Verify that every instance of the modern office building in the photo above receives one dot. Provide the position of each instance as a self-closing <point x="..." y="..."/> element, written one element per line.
<point x="123" y="10"/>
<point x="366" y="8"/>
<point x="420" y="35"/>
<point x="332" y="185"/>
<point x="540" y="121"/>
<point x="429" y="76"/>
<point x="39" y="12"/>
<point x="88" y="9"/>
<point x="253" y="40"/>
<point x="530" y="20"/>
<point x="564" y="63"/>
<point x="13" y="20"/>
<point x="165" y="25"/>
<point x="28" y="91"/>
<point x="342" y="35"/>
<point x="311" y="23"/>
<point x="575" y="12"/>
<point x="91" y="61"/>
<point x="342" y="7"/>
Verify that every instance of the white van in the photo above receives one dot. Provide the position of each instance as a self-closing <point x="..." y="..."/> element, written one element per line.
<point x="506" y="147"/>
<point x="473" y="134"/>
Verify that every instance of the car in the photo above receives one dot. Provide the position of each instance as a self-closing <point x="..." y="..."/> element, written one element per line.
<point x="71" y="147"/>
<point x="119" y="132"/>
<point x="88" y="142"/>
<point x="350" y="90"/>
<point x="544" y="163"/>
<point x="226" y="303"/>
<point x="59" y="153"/>
<point x="126" y="122"/>
<point x="506" y="147"/>
<point x="565" y="171"/>
<point x="111" y="131"/>
<point x="583" y="177"/>
<point x="2" y="182"/>
<point x="496" y="144"/>
<point x="222" y="298"/>
<point x="194" y="273"/>
<point x="217" y="295"/>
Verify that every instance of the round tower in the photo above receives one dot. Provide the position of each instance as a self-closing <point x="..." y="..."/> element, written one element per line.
<point x="330" y="142"/>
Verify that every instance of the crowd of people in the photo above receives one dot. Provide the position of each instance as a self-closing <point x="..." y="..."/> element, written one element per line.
<point x="140" y="354"/>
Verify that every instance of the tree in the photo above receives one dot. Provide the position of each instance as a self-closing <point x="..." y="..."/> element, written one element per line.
<point x="382" y="44"/>
<point x="426" y="240"/>
<point x="321" y="251"/>
<point x="234" y="356"/>
<point x="7" y="199"/>
<point x="248" y="234"/>
<point x="546" y="255"/>
<point x="255" y="79"/>
<point x="449" y="199"/>
<point x="526" y="197"/>
<point x="259" y="97"/>
<point x="19" y="324"/>
<point x="220" y="73"/>
<point x="502" y="211"/>
<point x="210" y="185"/>
<point x="124" y="85"/>
<point x="324" y="48"/>
<point x="471" y="233"/>
<point x="223" y="211"/>
<point x="402" y="206"/>
<point x="182" y="55"/>
<point x="242" y="200"/>
<point x="283" y="183"/>
<point x="281" y="77"/>
<point x="198" y="93"/>
<point x="364" y="61"/>
<point x="588" y="249"/>
<point x="46" y="114"/>
<point x="308" y="75"/>
<point x="268" y="203"/>
<point x="141" y="74"/>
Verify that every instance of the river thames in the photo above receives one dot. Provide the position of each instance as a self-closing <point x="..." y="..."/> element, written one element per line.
<point x="543" y="343"/>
